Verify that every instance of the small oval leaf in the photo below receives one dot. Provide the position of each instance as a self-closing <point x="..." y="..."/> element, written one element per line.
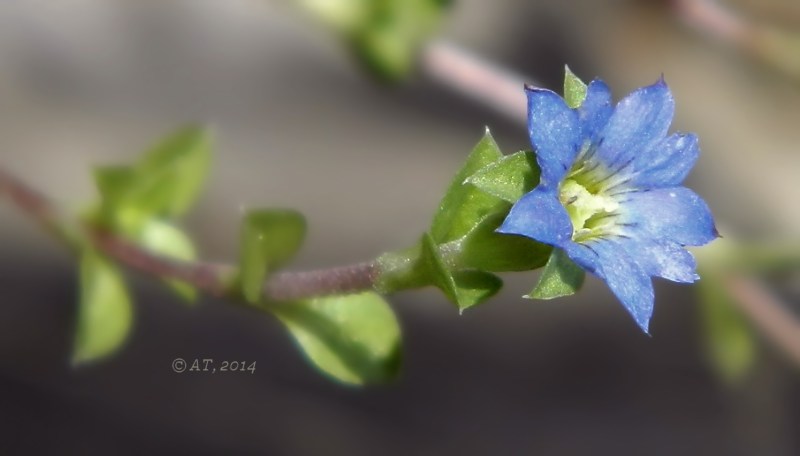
<point x="353" y="338"/>
<point x="269" y="239"/>
<point x="105" y="313"/>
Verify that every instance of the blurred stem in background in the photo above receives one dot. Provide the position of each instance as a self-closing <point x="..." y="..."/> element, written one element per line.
<point x="775" y="46"/>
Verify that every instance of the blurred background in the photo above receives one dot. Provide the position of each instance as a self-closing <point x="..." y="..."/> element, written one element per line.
<point x="299" y="124"/>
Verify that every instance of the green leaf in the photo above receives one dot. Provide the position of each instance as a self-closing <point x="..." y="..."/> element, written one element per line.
<point x="386" y="35"/>
<point x="167" y="240"/>
<point x="354" y="338"/>
<point x="463" y="206"/>
<point x="269" y="239"/>
<point x="180" y="163"/>
<point x="561" y="277"/>
<point x="485" y="249"/>
<point x="465" y="288"/>
<point x="508" y="178"/>
<point x="343" y="15"/>
<point x="165" y="182"/>
<point x="113" y="182"/>
<point x="392" y="32"/>
<point x="730" y="342"/>
<point x="105" y="314"/>
<point x="574" y="89"/>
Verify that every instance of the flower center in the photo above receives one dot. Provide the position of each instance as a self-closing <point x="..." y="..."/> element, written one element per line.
<point x="592" y="214"/>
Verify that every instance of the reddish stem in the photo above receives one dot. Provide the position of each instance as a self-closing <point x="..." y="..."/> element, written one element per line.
<point x="211" y="278"/>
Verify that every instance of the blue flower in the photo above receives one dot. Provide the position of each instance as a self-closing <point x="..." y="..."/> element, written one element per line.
<point x="610" y="192"/>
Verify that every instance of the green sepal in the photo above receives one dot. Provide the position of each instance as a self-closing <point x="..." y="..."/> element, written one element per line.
<point x="508" y="178"/>
<point x="463" y="206"/>
<point x="354" y="339"/>
<point x="574" y="89"/>
<point x="462" y="247"/>
<point x="269" y="239"/>
<point x="484" y="248"/>
<point x="560" y="277"/>
<point x="105" y="313"/>
<point x="465" y="288"/>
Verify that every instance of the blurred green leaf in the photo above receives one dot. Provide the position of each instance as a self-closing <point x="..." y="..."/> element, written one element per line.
<point x="165" y="181"/>
<point x="574" y="89"/>
<point x="730" y="341"/>
<point x="269" y="239"/>
<point x="354" y="338"/>
<point x="463" y="206"/>
<point x="167" y="240"/>
<point x="105" y="314"/>
<point x="465" y="288"/>
<point x="342" y="15"/>
<point x="385" y="35"/>
<point x="483" y="248"/>
<point x="180" y="162"/>
<point x="113" y="182"/>
<point x="560" y="277"/>
<point x="508" y="178"/>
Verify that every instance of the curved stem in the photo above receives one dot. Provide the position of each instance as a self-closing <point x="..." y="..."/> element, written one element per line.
<point x="768" y="313"/>
<point x="476" y="78"/>
<point x="212" y="278"/>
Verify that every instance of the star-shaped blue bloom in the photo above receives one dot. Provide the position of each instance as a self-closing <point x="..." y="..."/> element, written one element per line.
<point x="610" y="192"/>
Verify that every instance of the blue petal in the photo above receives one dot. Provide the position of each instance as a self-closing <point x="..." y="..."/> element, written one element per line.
<point x="584" y="257"/>
<point x="595" y="110"/>
<point x="626" y="279"/>
<point x="539" y="215"/>
<point x="675" y="214"/>
<point x="555" y="133"/>
<point x="640" y="120"/>
<point x="662" y="258"/>
<point x="668" y="162"/>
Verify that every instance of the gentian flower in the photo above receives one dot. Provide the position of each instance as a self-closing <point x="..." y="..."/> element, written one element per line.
<point x="610" y="192"/>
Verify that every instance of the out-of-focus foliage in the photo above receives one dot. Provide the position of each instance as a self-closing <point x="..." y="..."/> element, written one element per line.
<point x="269" y="239"/>
<point x="104" y="312"/>
<point x="731" y="342"/>
<point x="164" y="183"/>
<point x="384" y="34"/>
<point x="139" y="203"/>
<point x="354" y="339"/>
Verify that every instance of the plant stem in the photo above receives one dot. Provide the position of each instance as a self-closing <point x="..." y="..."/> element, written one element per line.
<point x="476" y="78"/>
<point x="767" y="313"/>
<point x="212" y="278"/>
